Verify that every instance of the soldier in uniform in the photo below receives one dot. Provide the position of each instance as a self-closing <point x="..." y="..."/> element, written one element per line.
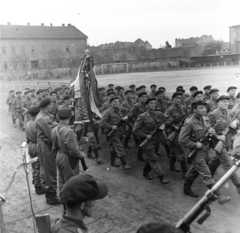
<point x="153" y="91"/>
<point x="31" y="134"/>
<point x="66" y="148"/>
<point x="45" y="125"/>
<point x="236" y="108"/>
<point x="206" y="95"/>
<point x="27" y="103"/>
<point x="221" y="117"/>
<point x="212" y="103"/>
<point x="102" y="94"/>
<point x="39" y="98"/>
<point x="109" y="120"/>
<point x="177" y="112"/>
<point x="161" y="104"/>
<point x="143" y="126"/>
<point x="18" y="108"/>
<point x="120" y="94"/>
<point x="142" y="88"/>
<point x="33" y="94"/>
<point x="184" y="95"/>
<point x="190" y="99"/>
<point x="9" y="102"/>
<point x="198" y="95"/>
<point x="165" y="98"/>
<point x="54" y="104"/>
<point x="132" y="87"/>
<point x="191" y="132"/>
<point x="231" y="92"/>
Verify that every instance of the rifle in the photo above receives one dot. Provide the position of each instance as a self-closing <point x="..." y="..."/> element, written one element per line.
<point x="112" y="132"/>
<point x="145" y="142"/>
<point x="206" y="200"/>
<point x="180" y="124"/>
<point x="218" y="147"/>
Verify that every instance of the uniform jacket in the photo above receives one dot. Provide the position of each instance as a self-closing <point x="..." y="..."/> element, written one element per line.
<point x="162" y="105"/>
<point x="36" y="102"/>
<point x="121" y="98"/>
<point x="152" y="94"/>
<point x="232" y="102"/>
<point x="177" y="112"/>
<point x="67" y="142"/>
<point x="105" y="106"/>
<point x="146" y="122"/>
<point x="69" y="225"/>
<point x="192" y="131"/>
<point x="188" y="101"/>
<point x="206" y="97"/>
<point x="211" y="105"/>
<point x="17" y="104"/>
<point x="128" y="104"/>
<point x="137" y="110"/>
<point x="10" y="100"/>
<point x="54" y="107"/>
<point x="27" y="103"/>
<point x="31" y="134"/>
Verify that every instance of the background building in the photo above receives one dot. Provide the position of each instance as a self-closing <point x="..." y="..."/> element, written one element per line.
<point x="193" y="41"/>
<point x="234" y="32"/>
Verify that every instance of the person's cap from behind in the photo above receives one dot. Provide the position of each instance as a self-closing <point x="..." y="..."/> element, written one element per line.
<point x="223" y="97"/>
<point x="64" y="113"/>
<point x="132" y="86"/>
<point x="117" y="87"/>
<point x="82" y="188"/>
<point x="142" y="93"/>
<point x="33" y="111"/>
<point x="208" y="87"/>
<point x="213" y="90"/>
<point x="197" y="93"/>
<point x="45" y="102"/>
<point x="179" y="87"/>
<point x="198" y="102"/>
<point x="193" y="88"/>
<point x="102" y="88"/>
<point x="158" y="228"/>
<point x="231" y="88"/>
<point x="27" y="89"/>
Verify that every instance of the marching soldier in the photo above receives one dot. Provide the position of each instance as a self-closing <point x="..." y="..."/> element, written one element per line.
<point x="33" y="94"/>
<point x="153" y="91"/>
<point x="144" y="125"/>
<point x="9" y="102"/>
<point x="18" y="108"/>
<point x="206" y="95"/>
<point x="161" y="104"/>
<point x="39" y="98"/>
<point x="132" y="87"/>
<point x="27" y="103"/>
<point x="165" y="98"/>
<point x="212" y="103"/>
<point x="54" y="104"/>
<point x="198" y="95"/>
<point x="107" y="104"/>
<point x="120" y="94"/>
<point x="231" y="92"/>
<point x="190" y="99"/>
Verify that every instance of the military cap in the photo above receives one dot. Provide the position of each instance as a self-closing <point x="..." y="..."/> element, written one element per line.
<point x="197" y="93"/>
<point x="142" y="93"/>
<point x="223" y="97"/>
<point x="82" y="188"/>
<point x="113" y="98"/>
<point x="193" y="88"/>
<point x="33" y="111"/>
<point x="179" y="87"/>
<point x="142" y="86"/>
<point x="32" y="90"/>
<point x="26" y="92"/>
<point x="238" y="95"/>
<point x="117" y="87"/>
<point x="149" y="100"/>
<point x="198" y="102"/>
<point x="213" y="90"/>
<point x="157" y="228"/>
<point x="175" y="94"/>
<point x="137" y="89"/>
<point x="53" y="92"/>
<point x="39" y="91"/>
<point x="27" y="89"/>
<point x="66" y="88"/>
<point x="230" y="88"/>
<point x="161" y="91"/>
<point x="120" y="88"/>
<point x="110" y="90"/>
<point x="132" y="85"/>
<point x="207" y="87"/>
<point x="57" y="89"/>
<point x="110" y="85"/>
<point x="111" y="93"/>
<point x="11" y="91"/>
<point x="127" y="91"/>
<point x="18" y="92"/>
<point x="45" y="102"/>
<point x="153" y="85"/>
<point x="162" y="88"/>
<point x="64" y="113"/>
<point x="101" y="88"/>
<point x="181" y="90"/>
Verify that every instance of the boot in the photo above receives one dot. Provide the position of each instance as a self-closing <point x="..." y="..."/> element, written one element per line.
<point x="112" y="159"/>
<point x="147" y="175"/>
<point x="95" y="151"/>
<point x="187" y="188"/>
<point x="124" y="163"/>
<point x="222" y="199"/>
<point x="52" y="199"/>
<point x="183" y="168"/>
<point x="39" y="190"/>
<point x="89" y="153"/>
<point x="172" y="164"/>
<point x="163" y="180"/>
<point x="168" y="151"/>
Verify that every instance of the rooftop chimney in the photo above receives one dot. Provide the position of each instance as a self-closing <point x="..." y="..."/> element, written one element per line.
<point x="28" y="24"/>
<point x="8" y="23"/>
<point x="63" y="25"/>
<point x="42" y="24"/>
<point x="51" y="24"/>
<point x="69" y="25"/>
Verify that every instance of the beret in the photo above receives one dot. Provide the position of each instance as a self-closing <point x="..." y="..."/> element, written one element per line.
<point x="132" y="85"/>
<point x="161" y="91"/>
<point x="11" y="91"/>
<point x="26" y="92"/>
<point x="157" y="228"/>
<point x="101" y="88"/>
<point x="82" y="188"/>
<point x="127" y="91"/>
<point x="197" y="93"/>
<point x="110" y="85"/>
<point x="45" y="102"/>
<point x="33" y="110"/>
<point x="181" y="90"/>
<point x="53" y="92"/>
<point x="64" y="112"/>
<point x="110" y="90"/>
<point x="175" y="94"/>
<point x="120" y="88"/>
<point x="179" y="87"/>
<point x="142" y="86"/>
<point x="213" y="90"/>
<point x="230" y="88"/>
<point x="153" y="85"/>
<point x="142" y="93"/>
<point x="196" y="103"/>
<point x="162" y="88"/>
<point x="111" y="93"/>
<point x="32" y="90"/>
<point x="193" y="88"/>
<point x="18" y="92"/>
<point x="113" y="98"/>
<point x="149" y="100"/>
<point x="223" y="97"/>
<point x="39" y="91"/>
<point x="207" y="87"/>
<point x="117" y="87"/>
<point x="27" y="89"/>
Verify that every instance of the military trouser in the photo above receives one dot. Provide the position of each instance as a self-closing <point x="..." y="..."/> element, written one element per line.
<point x="177" y="149"/>
<point x="115" y="144"/>
<point x="48" y="163"/>
<point x="14" y="116"/>
<point x="128" y="132"/>
<point x="199" y="167"/>
<point x="20" y="119"/>
<point x="226" y="164"/>
<point x="138" y="141"/>
<point x="36" y="174"/>
<point x="65" y="170"/>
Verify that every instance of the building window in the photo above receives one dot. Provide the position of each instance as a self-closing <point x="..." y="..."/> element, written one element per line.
<point x="23" y="51"/>
<point x="5" y="65"/>
<point x="44" y="63"/>
<point x="67" y="49"/>
<point x="34" y="64"/>
<point x="4" y="52"/>
<point x="13" y="50"/>
<point x="33" y="50"/>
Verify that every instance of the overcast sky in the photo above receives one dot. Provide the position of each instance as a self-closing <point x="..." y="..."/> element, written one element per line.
<point x="105" y="21"/>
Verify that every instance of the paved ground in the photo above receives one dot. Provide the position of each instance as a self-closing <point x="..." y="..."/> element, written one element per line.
<point x="132" y="200"/>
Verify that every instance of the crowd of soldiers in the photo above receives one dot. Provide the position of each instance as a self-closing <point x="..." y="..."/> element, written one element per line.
<point x="129" y="113"/>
